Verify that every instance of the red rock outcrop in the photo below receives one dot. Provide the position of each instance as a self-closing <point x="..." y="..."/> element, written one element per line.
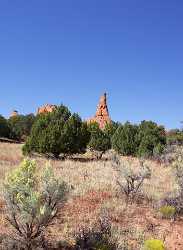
<point x="14" y="113"/>
<point x="102" y="114"/>
<point x="46" y="108"/>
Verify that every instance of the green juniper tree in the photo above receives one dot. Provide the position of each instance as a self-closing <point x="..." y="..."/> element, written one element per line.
<point x="151" y="139"/>
<point x="110" y="129"/>
<point x="99" y="142"/>
<point x="4" y="128"/>
<point x="124" y="139"/>
<point x="20" y="126"/>
<point x="58" y="132"/>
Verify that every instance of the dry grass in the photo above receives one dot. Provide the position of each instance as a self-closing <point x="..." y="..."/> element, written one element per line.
<point x="94" y="190"/>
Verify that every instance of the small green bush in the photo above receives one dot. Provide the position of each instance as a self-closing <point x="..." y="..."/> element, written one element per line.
<point x="32" y="199"/>
<point x="167" y="212"/>
<point x="153" y="244"/>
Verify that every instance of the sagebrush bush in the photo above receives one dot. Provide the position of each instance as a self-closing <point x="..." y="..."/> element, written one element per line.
<point x="32" y="201"/>
<point x="177" y="166"/>
<point x="167" y="212"/>
<point x="130" y="177"/>
<point x="97" y="238"/>
<point x="169" y="154"/>
<point x="153" y="244"/>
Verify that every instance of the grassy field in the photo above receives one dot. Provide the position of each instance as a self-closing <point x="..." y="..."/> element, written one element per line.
<point x="94" y="192"/>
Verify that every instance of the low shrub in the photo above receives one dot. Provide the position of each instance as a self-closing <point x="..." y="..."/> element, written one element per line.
<point x="177" y="166"/>
<point x="97" y="238"/>
<point x="130" y="177"/>
<point x="153" y="244"/>
<point x="167" y="212"/>
<point x="169" y="154"/>
<point x="32" y="202"/>
<point x="174" y="137"/>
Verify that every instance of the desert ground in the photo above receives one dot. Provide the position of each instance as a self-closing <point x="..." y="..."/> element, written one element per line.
<point x="94" y="192"/>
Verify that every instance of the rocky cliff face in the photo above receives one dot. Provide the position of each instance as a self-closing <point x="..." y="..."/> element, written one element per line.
<point x="102" y="114"/>
<point x="46" y="108"/>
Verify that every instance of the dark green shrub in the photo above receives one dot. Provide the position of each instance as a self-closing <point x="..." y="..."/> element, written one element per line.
<point x="158" y="150"/>
<point x="110" y="129"/>
<point x="76" y="135"/>
<point x="146" y="147"/>
<point x="150" y="138"/>
<point x="99" y="142"/>
<point x="20" y="126"/>
<point x="146" y="140"/>
<point x="153" y="244"/>
<point x="4" y="129"/>
<point x="124" y="139"/>
<point x="57" y="132"/>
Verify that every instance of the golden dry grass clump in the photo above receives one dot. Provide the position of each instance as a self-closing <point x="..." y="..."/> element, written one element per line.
<point x="93" y="190"/>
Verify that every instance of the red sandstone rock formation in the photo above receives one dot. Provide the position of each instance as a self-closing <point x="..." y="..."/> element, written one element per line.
<point x="14" y="113"/>
<point x="46" y="108"/>
<point x="102" y="114"/>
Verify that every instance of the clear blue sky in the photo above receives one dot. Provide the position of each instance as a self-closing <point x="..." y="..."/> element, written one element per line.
<point x="71" y="51"/>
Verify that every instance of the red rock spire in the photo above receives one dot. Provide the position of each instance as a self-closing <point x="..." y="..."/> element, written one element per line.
<point x="102" y="114"/>
<point x="14" y="113"/>
<point x="46" y="108"/>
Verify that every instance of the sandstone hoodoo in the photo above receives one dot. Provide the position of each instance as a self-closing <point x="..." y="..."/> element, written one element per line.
<point x="14" y="113"/>
<point x="46" y="108"/>
<point x="102" y="114"/>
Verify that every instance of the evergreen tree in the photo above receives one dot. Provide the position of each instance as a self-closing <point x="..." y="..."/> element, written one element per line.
<point x="110" y="129"/>
<point x="20" y="126"/>
<point x="124" y="139"/>
<point x="4" y="129"/>
<point x="151" y="138"/>
<point x="99" y="141"/>
<point x="57" y="132"/>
